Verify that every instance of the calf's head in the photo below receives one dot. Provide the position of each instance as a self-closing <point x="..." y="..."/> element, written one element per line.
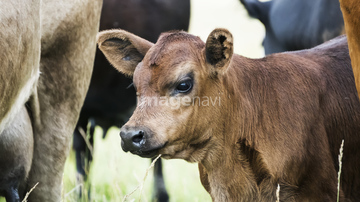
<point x="179" y="91"/>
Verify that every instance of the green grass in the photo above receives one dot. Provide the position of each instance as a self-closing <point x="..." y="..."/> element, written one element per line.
<point x="114" y="174"/>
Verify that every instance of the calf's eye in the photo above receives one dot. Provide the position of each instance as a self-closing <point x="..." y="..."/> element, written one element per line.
<point x="184" y="86"/>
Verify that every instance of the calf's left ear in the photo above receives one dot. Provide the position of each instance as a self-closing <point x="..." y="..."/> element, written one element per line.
<point x="219" y="49"/>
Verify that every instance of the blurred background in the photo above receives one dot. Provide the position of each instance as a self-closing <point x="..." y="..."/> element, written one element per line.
<point x="113" y="173"/>
<point x="248" y="33"/>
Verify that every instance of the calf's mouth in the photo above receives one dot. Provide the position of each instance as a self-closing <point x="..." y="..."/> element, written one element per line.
<point x="140" y="141"/>
<point x="145" y="152"/>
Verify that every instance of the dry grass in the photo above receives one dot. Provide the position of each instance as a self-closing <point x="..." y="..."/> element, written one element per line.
<point x="29" y="192"/>
<point x="141" y="185"/>
<point x="340" y="166"/>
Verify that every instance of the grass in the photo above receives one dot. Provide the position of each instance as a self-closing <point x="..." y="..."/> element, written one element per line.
<point x="114" y="174"/>
<point x="340" y="166"/>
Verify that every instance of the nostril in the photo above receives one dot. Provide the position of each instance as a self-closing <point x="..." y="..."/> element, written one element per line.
<point x="122" y="134"/>
<point x="138" y="137"/>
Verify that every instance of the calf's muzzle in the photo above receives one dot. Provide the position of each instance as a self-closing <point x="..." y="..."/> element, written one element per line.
<point x="137" y="140"/>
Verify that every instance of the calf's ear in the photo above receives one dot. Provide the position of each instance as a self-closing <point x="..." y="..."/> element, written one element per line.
<point x="123" y="49"/>
<point x="219" y="49"/>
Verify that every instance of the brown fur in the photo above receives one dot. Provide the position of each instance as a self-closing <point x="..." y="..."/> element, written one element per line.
<point x="351" y="14"/>
<point x="56" y="38"/>
<point x="281" y="118"/>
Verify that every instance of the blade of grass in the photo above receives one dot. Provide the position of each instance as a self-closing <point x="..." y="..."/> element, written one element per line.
<point x="339" y="173"/>
<point x="72" y="190"/>
<point x="278" y="193"/>
<point x="141" y="185"/>
<point x="28" y="193"/>
<point x="88" y="144"/>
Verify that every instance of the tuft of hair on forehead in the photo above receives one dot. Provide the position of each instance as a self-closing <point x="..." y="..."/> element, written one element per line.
<point x="166" y="39"/>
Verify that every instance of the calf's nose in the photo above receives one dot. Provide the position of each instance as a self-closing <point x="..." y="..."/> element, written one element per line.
<point x="132" y="139"/>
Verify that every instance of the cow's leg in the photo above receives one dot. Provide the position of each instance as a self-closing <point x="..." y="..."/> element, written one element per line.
<point x="68" y="34"/>
<point x="83" y="155"/>
<point x="160" y="193"/>
<point x="79" y="147"/>
<point x="89" y="154"/>
<point x="91" y="131"/>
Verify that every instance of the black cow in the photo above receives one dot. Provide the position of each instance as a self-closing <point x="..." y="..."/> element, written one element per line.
<point x="109" y="101"/>
<point x="296" y="24"/>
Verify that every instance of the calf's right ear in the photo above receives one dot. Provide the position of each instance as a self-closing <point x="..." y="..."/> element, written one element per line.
<point x="123" y="49"/>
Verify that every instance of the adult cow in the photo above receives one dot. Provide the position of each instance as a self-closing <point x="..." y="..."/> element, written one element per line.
<point x="109" y="102"/>
<point x="46" y="62"/>
<point x="281" y="118"/>
<point x="296" y="24"/>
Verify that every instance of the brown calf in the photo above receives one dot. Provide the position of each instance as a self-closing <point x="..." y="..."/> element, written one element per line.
<point x="250" y="123"/>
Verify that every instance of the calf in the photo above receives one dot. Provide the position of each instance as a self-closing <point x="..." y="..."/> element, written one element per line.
<point x="278" y="119"/>
<point x="296" y="24"/>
